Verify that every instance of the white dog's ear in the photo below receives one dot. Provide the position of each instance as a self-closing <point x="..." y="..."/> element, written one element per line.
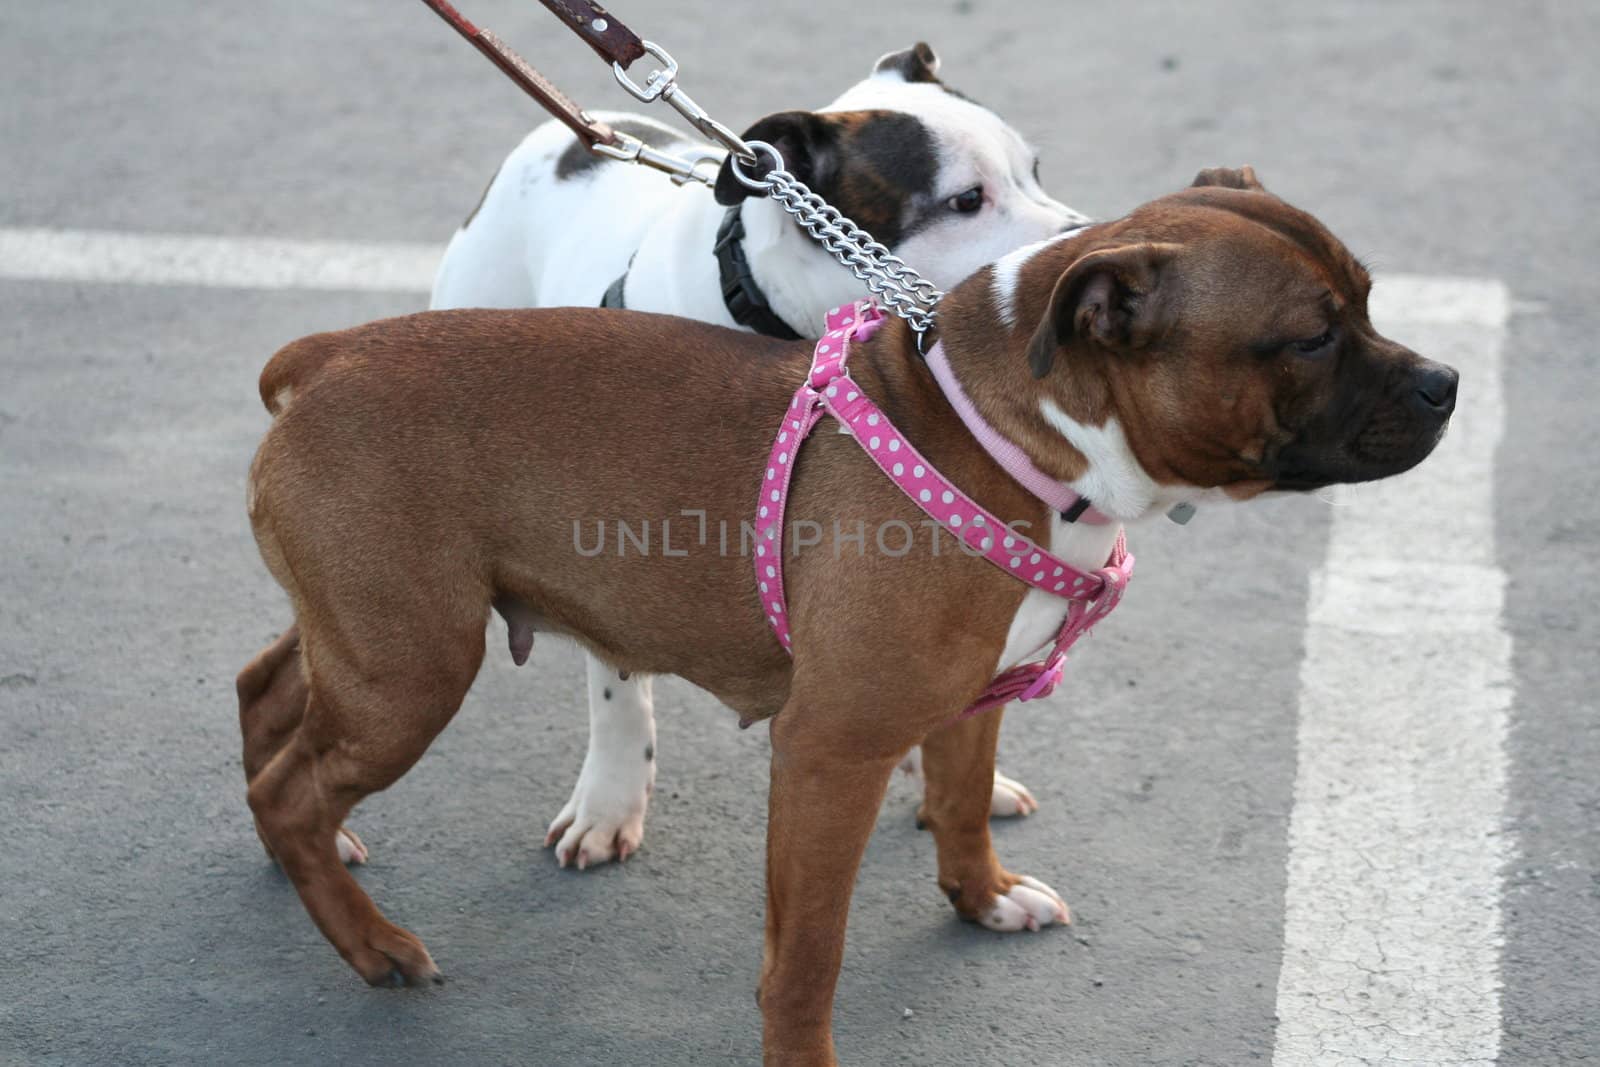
<point x="1112" y="297"/>
<point x="919" y="63"/>
<point x="808" y="143"/>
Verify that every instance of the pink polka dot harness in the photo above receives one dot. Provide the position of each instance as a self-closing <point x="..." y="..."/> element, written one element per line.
<point x="828" y="389"/>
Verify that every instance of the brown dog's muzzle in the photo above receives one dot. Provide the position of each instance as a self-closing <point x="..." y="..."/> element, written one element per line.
<point x="1389" y="416"/>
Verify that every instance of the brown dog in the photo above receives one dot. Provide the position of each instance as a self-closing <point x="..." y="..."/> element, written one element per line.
<point x="420" y="470"/>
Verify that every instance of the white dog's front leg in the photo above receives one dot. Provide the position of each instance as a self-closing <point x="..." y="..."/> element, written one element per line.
<point x="604" y="819"/>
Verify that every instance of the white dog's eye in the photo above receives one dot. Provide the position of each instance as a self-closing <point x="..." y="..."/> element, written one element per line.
<point x="967" y="202"/>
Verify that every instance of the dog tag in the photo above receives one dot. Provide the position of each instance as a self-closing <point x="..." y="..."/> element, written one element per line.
<point x="1181" y="513"/>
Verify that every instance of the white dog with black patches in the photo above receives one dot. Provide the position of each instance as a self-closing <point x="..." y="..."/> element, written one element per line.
<point x="945" y="183"/>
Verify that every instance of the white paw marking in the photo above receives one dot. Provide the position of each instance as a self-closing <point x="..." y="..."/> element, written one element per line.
<point x="1010" y="798"/>
<point x="351" y="850"/>
<point x="1030" y="905"/>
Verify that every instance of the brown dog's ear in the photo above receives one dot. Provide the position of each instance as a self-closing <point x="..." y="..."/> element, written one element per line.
<point x="1230" y="178"/>
<point x="919" y="63"/>
<point x="1112" y="297"/>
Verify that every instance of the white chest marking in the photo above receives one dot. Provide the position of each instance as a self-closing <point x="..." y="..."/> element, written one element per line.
<point x="1040" y="613"/>
<point x="1115" y="481"/>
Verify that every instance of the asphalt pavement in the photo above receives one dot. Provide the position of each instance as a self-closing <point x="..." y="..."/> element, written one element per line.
<point x="143" y="923"/>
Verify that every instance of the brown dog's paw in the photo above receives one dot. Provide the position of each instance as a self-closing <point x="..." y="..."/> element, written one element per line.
<point x="394" y="957"/>
<point x="1028" y="905"/>
<point x="1010" y="798"/>
<point x="1016" y="903"/>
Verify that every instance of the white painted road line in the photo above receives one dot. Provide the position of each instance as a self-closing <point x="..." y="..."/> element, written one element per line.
<point x="226" y="262"/>
<point x="1393" y="927"/>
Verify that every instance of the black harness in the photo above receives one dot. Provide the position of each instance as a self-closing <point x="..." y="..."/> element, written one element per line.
<point x="744" y="299"/>
<point x="740" y="294"/>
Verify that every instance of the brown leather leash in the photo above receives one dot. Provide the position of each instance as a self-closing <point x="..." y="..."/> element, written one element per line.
<point x="610" y="39"/>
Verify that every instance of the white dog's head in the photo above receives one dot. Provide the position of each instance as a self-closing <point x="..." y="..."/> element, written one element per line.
<point x="944" y="182"/>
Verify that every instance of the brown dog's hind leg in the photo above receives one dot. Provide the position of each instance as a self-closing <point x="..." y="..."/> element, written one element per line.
<point x="363" y="728"/>
<point x="272" y="700"/>
<point x="958" y="760"/>
<point x="272" y="693"/>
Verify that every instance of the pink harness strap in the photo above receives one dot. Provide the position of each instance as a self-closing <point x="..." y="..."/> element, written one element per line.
<point x="829" y="389"/>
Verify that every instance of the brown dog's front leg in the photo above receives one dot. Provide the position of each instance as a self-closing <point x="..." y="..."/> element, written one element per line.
<point x="824" y="801"/>
<point x="958" y="760"/>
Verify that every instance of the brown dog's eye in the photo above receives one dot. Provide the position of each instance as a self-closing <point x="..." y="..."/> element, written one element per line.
<point x="967" y="202"/>
<point x="1312" y="346"/>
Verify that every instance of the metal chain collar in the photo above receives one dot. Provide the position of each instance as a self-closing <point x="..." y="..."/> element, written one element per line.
<point x="900" y="288"/>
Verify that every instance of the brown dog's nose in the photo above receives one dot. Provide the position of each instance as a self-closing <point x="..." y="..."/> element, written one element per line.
<point x="1435" y="389"/>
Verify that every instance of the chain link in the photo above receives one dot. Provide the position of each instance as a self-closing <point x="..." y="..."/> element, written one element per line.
<point x="888" y="277"/>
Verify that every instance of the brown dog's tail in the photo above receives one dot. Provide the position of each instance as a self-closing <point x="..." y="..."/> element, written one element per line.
<point x="291" y="368"/>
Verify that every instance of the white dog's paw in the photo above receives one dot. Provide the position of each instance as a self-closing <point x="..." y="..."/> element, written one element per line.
<point x="351" y="850"/>
<point x="1010" y="798"/>
<point x="604" y="819"/>
<point x="587" y="842"/>
<point x="1029" y="905"/>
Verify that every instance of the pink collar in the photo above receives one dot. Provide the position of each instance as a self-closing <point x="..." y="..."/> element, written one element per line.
<point x="829" y="389"/>
<point x="1072" y="505"/>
